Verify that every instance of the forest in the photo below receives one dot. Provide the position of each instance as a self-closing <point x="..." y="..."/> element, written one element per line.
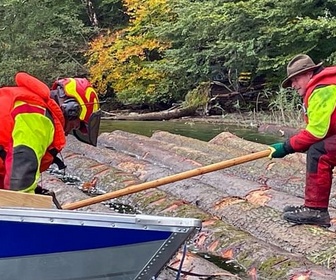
<point x="154" y="52"/>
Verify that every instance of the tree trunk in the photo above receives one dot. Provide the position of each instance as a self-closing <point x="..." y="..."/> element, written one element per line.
<point x="68" y="194"/>
<point x="154" y="116"/>
<point x="230" y="221"/>
<point x="91" y="12"/>
<point x="193" y="152"/>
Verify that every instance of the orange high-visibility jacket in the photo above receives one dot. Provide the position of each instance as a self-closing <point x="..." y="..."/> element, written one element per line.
<point x="31" y="132"/>
<point x="320" y="110"/>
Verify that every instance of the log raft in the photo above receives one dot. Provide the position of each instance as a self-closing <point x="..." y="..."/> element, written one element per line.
<point x="240" y="206"/>
<point x="70" y="193"/>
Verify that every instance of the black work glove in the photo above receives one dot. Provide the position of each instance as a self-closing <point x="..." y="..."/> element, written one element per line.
<point x="40" y="190"/>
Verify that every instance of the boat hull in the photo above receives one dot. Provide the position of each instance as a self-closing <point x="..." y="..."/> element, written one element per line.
<point x="59" y="244"/>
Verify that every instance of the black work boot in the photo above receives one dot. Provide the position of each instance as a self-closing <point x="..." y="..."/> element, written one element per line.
<point x="290" y="208"/>
<point x="305" y="215"/>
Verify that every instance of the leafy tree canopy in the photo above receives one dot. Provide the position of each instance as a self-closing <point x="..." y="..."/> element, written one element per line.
<point x="126" y="59"/>
<point x="155" y="51"/>
<point x="42" y="37"/>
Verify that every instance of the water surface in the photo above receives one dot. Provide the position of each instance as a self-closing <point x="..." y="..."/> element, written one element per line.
<point x="197" y="130"/>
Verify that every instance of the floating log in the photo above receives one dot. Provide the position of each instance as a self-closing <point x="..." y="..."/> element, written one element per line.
<point x="66" y="193"/>
<point x="273" y="174"/>
<point x="70" y="193"/>
<point x="214" y="182"/>
<point x="285" y="175"/>
<point x="195" y="267"/>
<point x="169" y="114"/>
<point x="183" y="153"/>
<point x="234" y="219"/>
<point x="217" y="236"/>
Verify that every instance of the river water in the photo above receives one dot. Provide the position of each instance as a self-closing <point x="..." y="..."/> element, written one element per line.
<point x="197" y="130"/>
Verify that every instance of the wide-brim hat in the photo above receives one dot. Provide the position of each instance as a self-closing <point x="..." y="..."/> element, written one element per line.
<point x="298" y="65"/>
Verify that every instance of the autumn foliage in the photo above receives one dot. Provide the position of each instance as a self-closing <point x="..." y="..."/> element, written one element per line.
<point x="123" y="59"/>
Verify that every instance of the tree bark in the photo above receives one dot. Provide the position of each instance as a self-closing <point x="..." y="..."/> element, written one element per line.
<point x="240" y="217"/>
<point x="90" y="10"/>
<point x="193" y="153"/>
<point x="68" y="194"/>
<point x="154" y="116"/>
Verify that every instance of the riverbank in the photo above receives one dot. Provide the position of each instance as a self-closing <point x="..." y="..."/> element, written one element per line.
<point x="277" y="123"/>
<point x="287" y="118"/>
<point x="248" y="119"/>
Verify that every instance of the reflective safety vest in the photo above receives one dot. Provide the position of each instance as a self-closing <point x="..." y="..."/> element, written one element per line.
<point x="320" y="104"/>
<point x="326" y="77"/>
<point x="32" y="91"/>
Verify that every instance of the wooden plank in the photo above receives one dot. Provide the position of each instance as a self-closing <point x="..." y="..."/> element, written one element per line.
<point x="20" y="199"/>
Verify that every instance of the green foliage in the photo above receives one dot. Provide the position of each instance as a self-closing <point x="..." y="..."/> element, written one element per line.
<point x="287" y="105"/>
<point x="255" y="35"/>
<point x="198" y="97"/>
<point x="127" y="59"/>
<point x="156" y="51"/>
<point x="43" y="37"/>
<point x="194" y="35"/>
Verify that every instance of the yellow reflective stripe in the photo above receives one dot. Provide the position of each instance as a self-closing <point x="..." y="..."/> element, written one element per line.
<point x="35" y="131"/>
<point x="271" y="152"/>
<point x="19" y="103"/>
<point x="321" y="105"/>
<point x="88" y="93"/>
<point x="70" y="88"/>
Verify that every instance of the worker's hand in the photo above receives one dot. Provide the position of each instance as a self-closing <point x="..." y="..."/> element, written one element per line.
<point x="42" y="191"/>
<point x="277" y="150"/>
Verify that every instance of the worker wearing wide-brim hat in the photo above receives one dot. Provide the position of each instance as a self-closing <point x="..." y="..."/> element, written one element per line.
<point x="317" y="86"/>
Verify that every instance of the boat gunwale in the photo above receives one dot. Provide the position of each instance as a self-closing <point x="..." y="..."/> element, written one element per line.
<point x="99" y="219"/>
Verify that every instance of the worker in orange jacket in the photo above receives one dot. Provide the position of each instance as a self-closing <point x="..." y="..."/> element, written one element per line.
<point x="34" y="122"/>
<point x="316" y="85"/>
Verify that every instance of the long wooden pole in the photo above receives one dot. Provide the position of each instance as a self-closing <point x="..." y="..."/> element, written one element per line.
<point x="167" y="180"/>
